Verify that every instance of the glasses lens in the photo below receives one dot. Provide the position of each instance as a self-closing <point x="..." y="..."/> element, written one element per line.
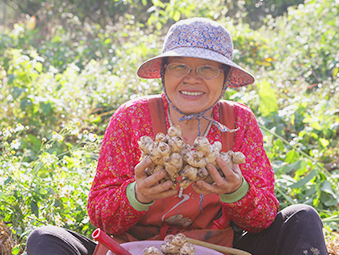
<point x="208" y="72"/>
<point x="181" y="70"/>
<point x="178" y="70"/>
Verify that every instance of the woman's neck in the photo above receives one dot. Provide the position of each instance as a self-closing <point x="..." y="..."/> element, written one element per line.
<point x="189" y="128"/>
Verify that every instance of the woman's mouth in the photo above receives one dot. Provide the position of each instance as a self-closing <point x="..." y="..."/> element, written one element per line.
<point x="188" y="93"/>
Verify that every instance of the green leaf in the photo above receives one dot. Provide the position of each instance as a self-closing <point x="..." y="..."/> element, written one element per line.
<point x="335" y="71"/>
<point x="331" y="202"/>
<point x="16" y="250"/>
<point x="279" y="145"/>
<point x="331" y="218"/>
<point x="38" y="66"/>
<point x="311" y="191"/>
<point x="46" y="108"/>
<point x="158" y="25"/>
<point x="25" y="103"/>
<point x="107" y="41"/>
<point x="8" y="181"/>
<point x="268" y="99"/>
<point x="326" y="186"/>
<point x="10" y="199"/>
<point x="292" y="156"/>
<point x="176" y="15"/>
<point x="324" y="142"/>
<point x="16" y="92"/>
<point x="304" y="180"/>
<point x="95" y="119"/>
<point x="49" y="191"/>
<point x="35" y="208"/>
<point x="294" y="166"/>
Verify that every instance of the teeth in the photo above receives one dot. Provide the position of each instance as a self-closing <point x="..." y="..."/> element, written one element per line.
<point x="191" y="93"/>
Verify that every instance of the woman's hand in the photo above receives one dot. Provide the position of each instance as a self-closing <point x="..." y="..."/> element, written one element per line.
<point x="222" y="185"/>
<point x="147" y="188"/>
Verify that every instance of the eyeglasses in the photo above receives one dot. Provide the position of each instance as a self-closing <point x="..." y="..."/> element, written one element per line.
<point x="206" y="71"/>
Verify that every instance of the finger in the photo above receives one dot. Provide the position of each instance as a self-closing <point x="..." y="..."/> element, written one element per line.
<point x="214" y="173"/>
<point x="140" y="168"/>
<point x="237" y="170"/>
<point x="146" y="193"/>
<point x="198" y="187"/>
<point x="163" y="190"/>
<point x="206" y="188"/>
<point x="155" y="178"/>
<point x="233" y="177"/>
<point x="230" y="175"/>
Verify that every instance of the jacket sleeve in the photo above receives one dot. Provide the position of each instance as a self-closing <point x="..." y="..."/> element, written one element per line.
<point x="108" y="206"/>
<point x="258" y="208"/>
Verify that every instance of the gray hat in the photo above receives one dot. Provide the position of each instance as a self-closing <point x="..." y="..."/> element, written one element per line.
<point x="198" y="38"/>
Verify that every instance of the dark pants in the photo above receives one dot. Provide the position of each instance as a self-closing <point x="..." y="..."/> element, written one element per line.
<point x="297" y="230"/>
<point x="51" y="240"/>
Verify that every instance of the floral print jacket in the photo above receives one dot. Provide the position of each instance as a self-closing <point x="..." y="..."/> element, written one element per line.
<point x="108" y="205"/>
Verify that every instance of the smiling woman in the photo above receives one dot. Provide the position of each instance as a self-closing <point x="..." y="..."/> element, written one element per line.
<point x="190" y="93"/>
<point x="237" y="207"/>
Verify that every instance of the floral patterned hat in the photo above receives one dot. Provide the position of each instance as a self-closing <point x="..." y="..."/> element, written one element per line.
<point x="198" y="38"/>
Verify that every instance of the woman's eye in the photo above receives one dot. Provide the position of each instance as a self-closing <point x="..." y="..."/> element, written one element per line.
<point x="206" y="68"/>
<point x="180" y="67"/>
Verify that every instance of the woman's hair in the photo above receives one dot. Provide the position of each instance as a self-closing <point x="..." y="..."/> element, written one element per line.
<point x="164" y="62"/>
<point x="226" y="69"/>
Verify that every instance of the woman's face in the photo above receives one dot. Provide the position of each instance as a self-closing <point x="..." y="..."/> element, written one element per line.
<point x="191" y="93"/>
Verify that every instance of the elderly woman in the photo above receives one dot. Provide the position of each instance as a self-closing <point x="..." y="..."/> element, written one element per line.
<point x="238" y="208"/>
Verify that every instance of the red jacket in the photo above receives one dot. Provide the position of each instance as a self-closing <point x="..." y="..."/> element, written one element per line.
<point x="109" y="208"/>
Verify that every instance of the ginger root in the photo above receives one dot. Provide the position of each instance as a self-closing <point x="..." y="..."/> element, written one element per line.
<point x="164" y="152"/>
<point x="177" y="245"/>
<point x="230" y="158"/>
<point x="151" y="251"/>
<point x="170" y="152"/>
<point x="187" y="249"/>
<point x="173" y="164"/>
<point x="174" y="245"/>
<point x="191" y="174"/>
<point x="204" y="153"/>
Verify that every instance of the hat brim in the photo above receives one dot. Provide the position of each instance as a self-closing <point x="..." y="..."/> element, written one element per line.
<point x="150" y="69"/>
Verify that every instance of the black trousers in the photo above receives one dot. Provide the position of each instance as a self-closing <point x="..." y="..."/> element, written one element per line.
<point x="297" y="230"/>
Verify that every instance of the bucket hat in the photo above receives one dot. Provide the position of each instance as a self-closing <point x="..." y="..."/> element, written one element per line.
<point x="198" y="38"/>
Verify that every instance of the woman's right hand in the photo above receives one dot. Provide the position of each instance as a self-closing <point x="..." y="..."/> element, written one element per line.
<point x="148" y="188"/>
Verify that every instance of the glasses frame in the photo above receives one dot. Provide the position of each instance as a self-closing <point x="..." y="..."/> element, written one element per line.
<point x="195" y="68"/>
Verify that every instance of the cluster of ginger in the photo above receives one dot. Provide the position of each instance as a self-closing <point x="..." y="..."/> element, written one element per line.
<point x="174" y="245"/>
<point x="170" y="152"/>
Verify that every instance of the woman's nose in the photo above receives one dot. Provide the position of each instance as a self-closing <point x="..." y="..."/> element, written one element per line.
<point x="193" y="74"/>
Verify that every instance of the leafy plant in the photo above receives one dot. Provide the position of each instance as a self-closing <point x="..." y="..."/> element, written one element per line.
<point x="59" y="87"/>
<point x="52" y="188"/>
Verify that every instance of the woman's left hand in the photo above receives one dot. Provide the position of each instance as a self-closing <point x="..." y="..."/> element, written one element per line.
<point x="222" y="185"/>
